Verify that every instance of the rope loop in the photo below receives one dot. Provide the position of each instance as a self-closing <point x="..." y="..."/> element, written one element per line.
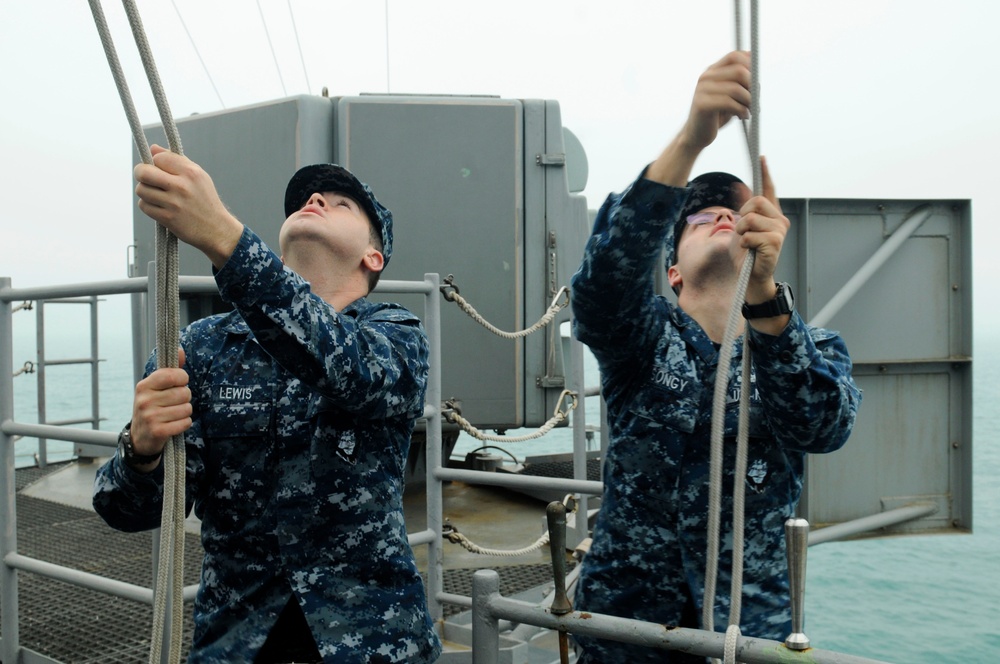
<point x="453" y="414"/>
<point x="27" y="305"/>
<point x="450" y="293"/>
<point x="450" y="533"/>
<point x="28" y="368"/>
<point x="448" y="288"/>
<point x="563" y="414"/>
<point x="733" y="635"/>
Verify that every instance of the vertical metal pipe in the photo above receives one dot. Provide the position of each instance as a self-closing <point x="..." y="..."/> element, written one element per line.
<point x="556" y="515"/>
<point x="95" y="383"/>
<point x="140" y="347"/>
<point x="796" y="545"/>
<point x="8" y="534"/>
<point x="485" y="627"/>
<point x="578" y="385"/>
<point x="435" y="501"/>
<point x="42" y="454"/>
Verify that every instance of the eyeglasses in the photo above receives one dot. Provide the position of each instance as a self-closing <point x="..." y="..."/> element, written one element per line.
<point x="709" y="217"/>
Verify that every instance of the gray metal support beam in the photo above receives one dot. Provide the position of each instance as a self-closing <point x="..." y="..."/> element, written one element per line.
<point x="918" y="216"/>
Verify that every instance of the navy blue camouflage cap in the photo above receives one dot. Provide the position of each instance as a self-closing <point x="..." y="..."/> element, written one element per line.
<point x="707" y="190"/>
<point x="330" y="177"/>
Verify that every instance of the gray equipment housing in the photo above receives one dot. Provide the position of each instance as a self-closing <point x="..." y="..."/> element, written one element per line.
<point x="487" y="189"/>
<point x="480" y="188"/>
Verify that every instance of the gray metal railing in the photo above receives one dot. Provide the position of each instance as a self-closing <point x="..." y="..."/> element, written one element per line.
<point x="44" y="362"/>
<point x="488" y="606"/>
<point x="10" y="430"/>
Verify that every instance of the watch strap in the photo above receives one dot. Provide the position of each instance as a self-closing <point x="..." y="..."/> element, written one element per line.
<point x="129" y="455"/>
<point x="782" y="303"/>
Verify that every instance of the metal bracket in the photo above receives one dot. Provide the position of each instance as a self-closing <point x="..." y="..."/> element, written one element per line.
<point x="547" y="382"/>
<point x="551" y="159"/>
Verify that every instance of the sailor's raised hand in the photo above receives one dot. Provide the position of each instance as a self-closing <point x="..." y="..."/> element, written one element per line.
<point x="722" y="93"/>
<point x="763" y="227"/>
<point x="178" y="194"/>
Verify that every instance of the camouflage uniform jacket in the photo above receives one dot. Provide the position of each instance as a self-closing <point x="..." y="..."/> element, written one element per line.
<point x="658" y="375"/>
<point x="302" y="423"/>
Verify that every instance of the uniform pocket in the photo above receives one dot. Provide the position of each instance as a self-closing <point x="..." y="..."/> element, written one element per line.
<point x="237" y="420"/>
<point x="335" y="436"/>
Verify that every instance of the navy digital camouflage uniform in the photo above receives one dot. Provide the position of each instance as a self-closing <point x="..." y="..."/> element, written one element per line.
<point x="302" y="423"/>
<point x="647" y="560"/>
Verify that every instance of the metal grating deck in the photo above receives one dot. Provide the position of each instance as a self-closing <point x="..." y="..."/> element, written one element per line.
<point x="562" y="469"/>
<point x="78" y="625"/>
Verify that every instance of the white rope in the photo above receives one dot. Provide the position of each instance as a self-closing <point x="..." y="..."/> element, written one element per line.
<point x="715" y="455"/>
<point x="558" y="417"/>
<point x="722" y="384"/>
<point x="559" y="302"/>
<point x="169" y="576"/>
<point x="467" y="544"/>
<point x="569" y="502"/>
<point x="733" y="635"/>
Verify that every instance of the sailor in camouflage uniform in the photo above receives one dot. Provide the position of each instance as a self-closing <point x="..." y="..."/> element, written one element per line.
<point x="297" y="410"/>
<point x="658" y="363"/>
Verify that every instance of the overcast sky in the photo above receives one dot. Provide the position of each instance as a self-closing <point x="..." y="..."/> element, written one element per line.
<point x="860" y="98"/>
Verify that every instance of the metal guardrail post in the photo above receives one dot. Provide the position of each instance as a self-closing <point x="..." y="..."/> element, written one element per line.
<point x="796" y="545"/>
<point x="434" y="495"/>
<point x="485" y="626"/>
<point x="556" y="515"/>
<point x="578" y="384"/>
<point x="40" y="373"/>
<point x="95" y="366"/>
<point x="8" y="515"/>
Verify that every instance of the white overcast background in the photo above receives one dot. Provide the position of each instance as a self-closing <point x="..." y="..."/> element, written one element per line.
<point x="860" y="98"/>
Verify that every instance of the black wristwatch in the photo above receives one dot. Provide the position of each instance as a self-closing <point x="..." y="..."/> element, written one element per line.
<point x="127" y="452"/>
<point x="783" y="303"/>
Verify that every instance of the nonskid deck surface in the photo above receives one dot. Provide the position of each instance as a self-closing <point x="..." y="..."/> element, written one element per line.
<point x="72" y="624"/>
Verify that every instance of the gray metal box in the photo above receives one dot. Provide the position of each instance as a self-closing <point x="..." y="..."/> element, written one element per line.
<point x="479" y="188"/>
<point x="908" y="325"/>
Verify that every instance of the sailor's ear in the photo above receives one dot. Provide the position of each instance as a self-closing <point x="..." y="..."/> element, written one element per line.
<point x="373" y="260"/>
<point x="674" y="277"/>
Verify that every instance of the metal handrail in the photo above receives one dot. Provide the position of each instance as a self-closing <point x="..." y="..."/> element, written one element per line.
<point x="10" y="430"/>
<point x="486" y="602"/>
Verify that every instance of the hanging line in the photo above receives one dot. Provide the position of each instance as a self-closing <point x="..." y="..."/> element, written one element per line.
<point x="752" y="132"/>
<point x="169" y="577"/>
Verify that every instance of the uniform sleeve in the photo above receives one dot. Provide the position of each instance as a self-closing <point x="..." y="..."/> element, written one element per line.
<point x="371" y="360"/>
<point x="804" y="377"/>
<point x="613" y="297"/>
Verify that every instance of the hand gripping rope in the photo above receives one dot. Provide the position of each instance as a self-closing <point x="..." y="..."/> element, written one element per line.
<point x="721" y="387"/>
<point x="167" y="341"/>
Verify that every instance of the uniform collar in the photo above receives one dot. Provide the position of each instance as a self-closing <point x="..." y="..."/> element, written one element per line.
<point x="695" y="336"/>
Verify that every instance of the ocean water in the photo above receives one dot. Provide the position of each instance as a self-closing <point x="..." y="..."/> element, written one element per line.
<point x="914" y="600"/>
